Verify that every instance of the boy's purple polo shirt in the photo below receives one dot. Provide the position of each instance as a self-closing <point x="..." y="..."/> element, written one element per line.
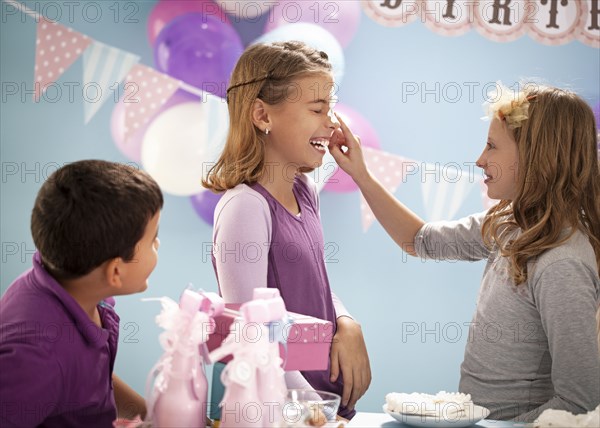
<point x="55" y="363"/>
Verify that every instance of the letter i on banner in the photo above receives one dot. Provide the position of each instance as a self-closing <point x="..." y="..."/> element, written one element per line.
<point x="557" y="22"/>
<point x="448" y="17"/>
<point x="57" y="48"/>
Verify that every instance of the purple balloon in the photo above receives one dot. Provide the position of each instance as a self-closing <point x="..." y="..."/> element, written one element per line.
<point x="204" y="203"/>
<point x="166" y="10"/>
<point x="199" y="50"/>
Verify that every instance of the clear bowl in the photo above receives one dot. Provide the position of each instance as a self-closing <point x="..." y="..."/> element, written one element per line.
<point x="309" y="407"/>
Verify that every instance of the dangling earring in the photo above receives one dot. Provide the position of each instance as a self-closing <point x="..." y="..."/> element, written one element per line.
<point x="267" y="131"/>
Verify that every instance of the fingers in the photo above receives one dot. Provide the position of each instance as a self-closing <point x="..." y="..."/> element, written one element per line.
<point x="353" y="397"/>
<point x="336" y="142"/>
<point x="348" y="386"/>
<point x="348" y="135"/>
<point x="343" y="125"/>
<point x="337" y="153"/>
<point x="335" y="365"/>
<point x="358" y="390"/>
<point x="337" y="138"/>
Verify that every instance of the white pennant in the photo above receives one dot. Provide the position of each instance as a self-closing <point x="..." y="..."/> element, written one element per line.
<point x="103" y="69"/>
<point x="445" y="188"/>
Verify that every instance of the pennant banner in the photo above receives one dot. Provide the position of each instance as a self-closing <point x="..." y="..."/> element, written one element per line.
<point x="57" y="48"/>
<point x="551" y="22"/>
<point x="146" y="90"/>
<point x="103" y="66"/>
<point x="444" y="189"/>
<point x="390" y="170"/>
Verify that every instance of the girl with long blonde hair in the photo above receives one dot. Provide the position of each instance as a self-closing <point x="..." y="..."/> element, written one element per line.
<point x="267" y="227"/>
<point x="533" y="343"/>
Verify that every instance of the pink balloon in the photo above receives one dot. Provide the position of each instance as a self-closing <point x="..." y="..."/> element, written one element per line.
<point x="132" y="148"/>
<point x="340" y="181"/>
<point x="166" y="10"/>
<point x="340" y="18"/>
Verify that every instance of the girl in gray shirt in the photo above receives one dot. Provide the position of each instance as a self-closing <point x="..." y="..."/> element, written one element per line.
<point x="533" y="341"/>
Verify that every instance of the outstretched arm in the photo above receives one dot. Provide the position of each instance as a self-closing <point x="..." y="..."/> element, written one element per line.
<point x="398" y="221"/>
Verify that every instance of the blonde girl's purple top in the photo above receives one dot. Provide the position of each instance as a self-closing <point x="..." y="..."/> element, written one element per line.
<point x="258" y="243"/>
<point x="55" y="364"/>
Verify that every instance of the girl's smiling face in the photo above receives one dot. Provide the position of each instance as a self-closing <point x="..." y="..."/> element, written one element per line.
<point x="301" y="127"/>
<point x="500" y="161"/>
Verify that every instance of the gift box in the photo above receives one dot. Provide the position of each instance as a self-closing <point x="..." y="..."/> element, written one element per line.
<point x="307" y="345"/>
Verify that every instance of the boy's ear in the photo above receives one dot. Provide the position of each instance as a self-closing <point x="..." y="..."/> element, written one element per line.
<point x="260" y="115"/>
<point x="114" y="272"/>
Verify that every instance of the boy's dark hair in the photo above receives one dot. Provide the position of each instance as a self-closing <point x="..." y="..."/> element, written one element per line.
<point x="91" y="211"/>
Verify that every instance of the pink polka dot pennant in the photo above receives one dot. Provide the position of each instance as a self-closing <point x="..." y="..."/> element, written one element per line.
<point x="57" y="48"/>
<point x="390" y="170"/>
<point x="146" y="91"/>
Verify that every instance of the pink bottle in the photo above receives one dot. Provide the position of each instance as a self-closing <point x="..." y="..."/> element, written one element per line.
<point x="180" y="391"/>
<point x="183" y="402"/>
<point x="254" y="381"/>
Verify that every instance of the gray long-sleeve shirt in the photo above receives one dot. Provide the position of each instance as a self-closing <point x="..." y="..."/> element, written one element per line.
<point x="531" y="347"/>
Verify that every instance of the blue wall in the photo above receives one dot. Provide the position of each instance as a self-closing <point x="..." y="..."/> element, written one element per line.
<point x="388" y="293"/>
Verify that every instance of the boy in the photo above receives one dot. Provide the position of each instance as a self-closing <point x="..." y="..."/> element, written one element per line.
<point x="95" y="226"/>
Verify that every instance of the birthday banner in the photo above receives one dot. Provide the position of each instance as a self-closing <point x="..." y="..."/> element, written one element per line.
<point x="551" y="22"/>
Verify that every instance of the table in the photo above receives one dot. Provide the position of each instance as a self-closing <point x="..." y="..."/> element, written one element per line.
<point x="383" y="420"/>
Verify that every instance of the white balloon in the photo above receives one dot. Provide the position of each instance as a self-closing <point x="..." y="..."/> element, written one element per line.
<point x="245" y="9"/>
<point x="315" y="36"/>
<point x="183" y="142"/>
